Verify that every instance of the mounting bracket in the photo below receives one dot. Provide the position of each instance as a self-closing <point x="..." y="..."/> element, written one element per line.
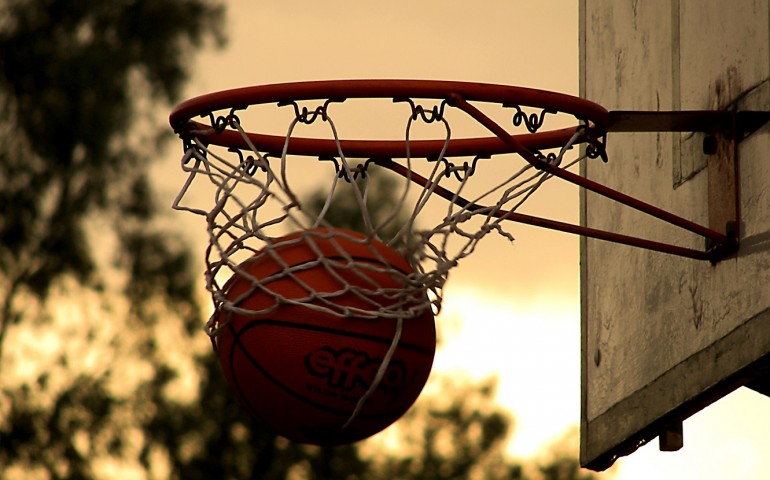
<point x="725" y="129"/>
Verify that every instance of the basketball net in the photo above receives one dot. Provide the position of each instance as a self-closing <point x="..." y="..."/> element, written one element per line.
<point x="255" y="203"/>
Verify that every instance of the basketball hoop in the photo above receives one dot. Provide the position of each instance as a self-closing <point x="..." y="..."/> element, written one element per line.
<point x="249" y="170"/>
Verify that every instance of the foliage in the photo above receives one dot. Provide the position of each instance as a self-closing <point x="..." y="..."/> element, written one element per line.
<point x="457" y="433"/>
<point x="70" y="74"/>
<point x="78" y="82"/>
<point x="558" y="462"/>
<point x="381" y="203"/>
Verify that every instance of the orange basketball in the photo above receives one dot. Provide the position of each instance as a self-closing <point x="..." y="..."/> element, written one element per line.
<point x="301" y="372"/>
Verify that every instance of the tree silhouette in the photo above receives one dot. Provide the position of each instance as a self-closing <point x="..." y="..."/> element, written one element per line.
<point x="345" y="211"/>
<point x="78" y="82"/>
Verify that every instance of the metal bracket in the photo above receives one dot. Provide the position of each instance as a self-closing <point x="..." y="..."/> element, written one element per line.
<point x="671" y="438"/>
<point x="737" y="124"/>
<point x="724" y="129"/>
<point x="734" y="124"/>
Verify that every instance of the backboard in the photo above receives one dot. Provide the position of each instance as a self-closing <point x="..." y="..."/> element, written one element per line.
<point x="665" y="336"/>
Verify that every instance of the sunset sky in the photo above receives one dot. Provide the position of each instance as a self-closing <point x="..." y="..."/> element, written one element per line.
<point x="509" y="310"/>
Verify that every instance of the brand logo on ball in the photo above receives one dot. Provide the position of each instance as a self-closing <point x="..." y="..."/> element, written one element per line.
<point x="347" y="369"/>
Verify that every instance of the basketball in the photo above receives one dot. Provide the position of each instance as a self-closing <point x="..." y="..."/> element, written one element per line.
<point x="301" y="372"/>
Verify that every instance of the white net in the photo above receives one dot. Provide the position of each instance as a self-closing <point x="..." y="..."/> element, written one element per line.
<point x="255" y="205"/>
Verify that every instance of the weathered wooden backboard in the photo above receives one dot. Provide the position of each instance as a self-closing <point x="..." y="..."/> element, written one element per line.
<point x="664" y="336"/>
